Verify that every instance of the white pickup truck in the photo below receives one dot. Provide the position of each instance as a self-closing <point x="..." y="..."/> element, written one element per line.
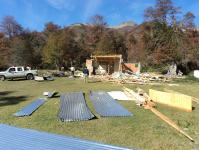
<point x="18" y="72"/>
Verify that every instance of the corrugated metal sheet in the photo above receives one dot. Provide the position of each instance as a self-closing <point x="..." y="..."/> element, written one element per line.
<point x="106" y="106"/>
<point x="73" y="107"/>
<point x="12" y="138"/>
<point x="29" y="109"/>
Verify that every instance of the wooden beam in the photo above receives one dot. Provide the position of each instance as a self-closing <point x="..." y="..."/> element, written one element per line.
<point x="196" y="100"/>
<point x="171" y="123"/>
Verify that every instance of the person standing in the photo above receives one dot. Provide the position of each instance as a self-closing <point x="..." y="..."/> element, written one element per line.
<point x="86" y="74"/>
<point x="72" y="71"/>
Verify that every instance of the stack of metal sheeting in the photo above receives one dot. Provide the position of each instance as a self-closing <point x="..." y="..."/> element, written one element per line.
<point x="73" y="107"/>
<point x="12" y="138"/>
<point x="29" y="109"/>
<point x="106" y="106"/>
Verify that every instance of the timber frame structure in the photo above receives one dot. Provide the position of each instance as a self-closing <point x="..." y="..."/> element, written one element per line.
<point x="110" y="63"/>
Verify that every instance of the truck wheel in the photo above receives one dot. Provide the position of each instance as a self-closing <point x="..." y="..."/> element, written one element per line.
<point x="2" y="78"/>
<point x="30" y="77"/>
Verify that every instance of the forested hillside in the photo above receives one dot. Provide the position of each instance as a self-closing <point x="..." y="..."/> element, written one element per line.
<point x="166" y="36"/>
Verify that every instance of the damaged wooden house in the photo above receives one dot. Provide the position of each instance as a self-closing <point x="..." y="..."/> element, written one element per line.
<point x="109" y="64"/>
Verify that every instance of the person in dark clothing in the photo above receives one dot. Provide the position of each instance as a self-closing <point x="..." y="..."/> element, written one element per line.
<point x="86" y="74"/>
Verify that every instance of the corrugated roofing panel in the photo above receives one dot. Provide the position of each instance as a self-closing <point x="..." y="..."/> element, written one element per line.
<point x="73" y="107"/>
<point x="29" y="109"/>
<point x="12" y="138"/>
<point x="106" y="106"/>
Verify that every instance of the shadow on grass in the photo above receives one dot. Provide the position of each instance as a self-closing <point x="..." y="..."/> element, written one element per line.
<point x="6" y="100"/>
<point x="5" y="93"/>
<point x="188" y="79"/>
<point x="94" y="81"/>
<point x="17" y="79"/>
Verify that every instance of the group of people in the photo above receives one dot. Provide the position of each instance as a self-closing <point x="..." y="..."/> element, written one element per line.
<point x="85" y="73"/>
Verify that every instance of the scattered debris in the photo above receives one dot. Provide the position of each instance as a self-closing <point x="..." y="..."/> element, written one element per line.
<point x="37" y="78"/>
<point x="48" y="78"/>
<point x="79" y="73"/>
<point x="196" y="74"/>
<point x="42" y="78"/>
<point x="50" y="94"/>
<point x="60" y="74"/>
<point x="195" y="100"/>
<point x="138" y="98"/>
<point x="130" y="78"/>
<point x="172" y="70"/>
<point x="173" y="85"/>
<point x="132" y="67"/>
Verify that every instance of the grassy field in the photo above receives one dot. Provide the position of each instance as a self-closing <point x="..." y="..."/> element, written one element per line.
<point x="143" y="131"/>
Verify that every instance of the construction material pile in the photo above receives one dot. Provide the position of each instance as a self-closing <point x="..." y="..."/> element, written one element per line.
<point x="128" y="78"/>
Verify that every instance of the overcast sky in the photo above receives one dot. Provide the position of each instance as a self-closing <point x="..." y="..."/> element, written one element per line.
<point x="33" y="14"/>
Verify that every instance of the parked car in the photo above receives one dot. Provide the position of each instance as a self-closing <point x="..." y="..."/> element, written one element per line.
<point x="18" y="72"/>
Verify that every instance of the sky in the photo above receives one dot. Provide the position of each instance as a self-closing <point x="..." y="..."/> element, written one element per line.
<point x="33" y="14"/>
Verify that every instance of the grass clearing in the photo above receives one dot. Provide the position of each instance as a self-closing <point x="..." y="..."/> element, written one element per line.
<point x="143" y="131"/>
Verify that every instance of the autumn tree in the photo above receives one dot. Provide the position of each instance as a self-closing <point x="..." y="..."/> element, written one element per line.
<point x="60" y="49"/>
<point x="138" y="43"/>
<point x="98" y="22"/>
<point x="106" y="44"/>
<point x="163" y="12"/>
<point x="10" y="27"/>
<point x="188" y="21"/>
<point x="163" y="44"/>
<point x="120" y="45"/>
<point x="135" y="48"/>
<point x="37" y="42"/>
<point x="22" y="50"/>
<point x="4" y="51"/>
<point x="94" y="32"/>
<point x="50" y="27"/>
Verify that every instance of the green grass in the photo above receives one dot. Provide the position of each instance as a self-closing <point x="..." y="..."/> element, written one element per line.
<point x="143" y="131"/>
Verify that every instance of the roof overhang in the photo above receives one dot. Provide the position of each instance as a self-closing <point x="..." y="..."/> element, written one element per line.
<point x="106" y="57"/>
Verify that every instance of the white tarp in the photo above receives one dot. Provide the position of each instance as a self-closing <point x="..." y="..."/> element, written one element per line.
<point x="119" y="95"/>
<point x="196" y="73"/>
<point x="37" y="78"/>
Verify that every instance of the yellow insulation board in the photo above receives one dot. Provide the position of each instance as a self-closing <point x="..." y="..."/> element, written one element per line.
<point x="177" y="100"/>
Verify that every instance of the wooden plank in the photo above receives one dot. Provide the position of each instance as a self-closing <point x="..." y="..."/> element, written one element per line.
<point x="176" y="100"/>
<point x="196" y="100"/>
<point x="139" y="99"/>
<point x="170" y="122"/>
